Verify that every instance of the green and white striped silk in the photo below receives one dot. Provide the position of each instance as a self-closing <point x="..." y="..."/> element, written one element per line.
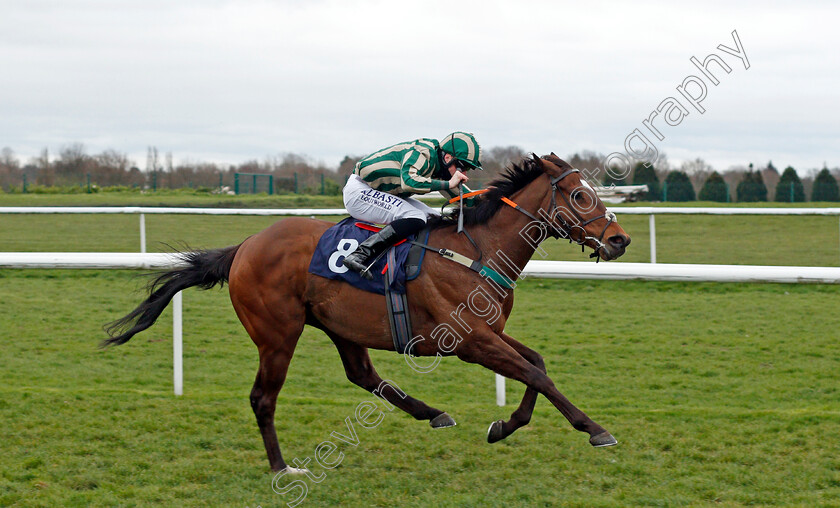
<point x="403" y="169"/>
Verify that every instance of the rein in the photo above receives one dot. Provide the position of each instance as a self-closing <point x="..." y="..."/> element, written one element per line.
<point x="566" y="229"/>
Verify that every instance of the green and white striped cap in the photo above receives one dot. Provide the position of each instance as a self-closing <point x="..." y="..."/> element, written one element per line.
<point x="464" y="147"/>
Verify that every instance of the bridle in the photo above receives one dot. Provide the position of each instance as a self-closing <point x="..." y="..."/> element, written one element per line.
<point x="566" y="229"/>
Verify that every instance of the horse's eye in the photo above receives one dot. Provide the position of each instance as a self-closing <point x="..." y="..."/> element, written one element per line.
<point x="580" y="197"/>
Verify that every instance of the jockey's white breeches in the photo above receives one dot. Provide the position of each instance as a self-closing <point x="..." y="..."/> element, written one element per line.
<point x="367" y="204"/>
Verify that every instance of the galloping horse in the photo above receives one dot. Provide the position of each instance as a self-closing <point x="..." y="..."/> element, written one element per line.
<point x="274" y="295"/>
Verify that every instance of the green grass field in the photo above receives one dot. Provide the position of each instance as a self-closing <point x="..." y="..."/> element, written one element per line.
<point x="720" y="394"/>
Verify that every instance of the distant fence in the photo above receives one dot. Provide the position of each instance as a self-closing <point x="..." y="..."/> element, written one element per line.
<point x="253" y="183"/>
<point x="239" y="182"/>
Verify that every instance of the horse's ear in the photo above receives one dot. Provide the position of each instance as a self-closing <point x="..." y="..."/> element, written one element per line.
<point x="539" y="161"/>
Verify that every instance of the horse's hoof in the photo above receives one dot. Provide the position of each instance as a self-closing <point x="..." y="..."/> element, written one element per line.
<point x="603" y="439"/>
<point x="495" y="432"/>
<point x="441" y="421"/>
<point x="294" y="471"/>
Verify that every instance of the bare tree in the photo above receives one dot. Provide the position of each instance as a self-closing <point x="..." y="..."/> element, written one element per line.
<point x="152" y="159"/>
<point x="10" y="172"/>
<point x="733" y="176"/>
<point x="771" y="177"/>
<point x="347" y="164"/>
<point x="152" y="166"/>
<point x="494" y="161"/>
<point x="72" y="165"/>
<point x="662" y="166"/>
<point x="808" y="181"/>
<point x="44" y="171"/>
<point x="698" y="171"/>
<point x="112" y="168"/>
<point x="590" y="161"/>
<point x="8" y="159"/>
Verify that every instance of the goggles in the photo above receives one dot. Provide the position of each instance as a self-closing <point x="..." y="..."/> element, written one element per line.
<point x="462" y="165"/>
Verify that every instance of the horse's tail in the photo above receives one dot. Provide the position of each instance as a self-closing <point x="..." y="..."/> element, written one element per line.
<point x="204" y="268"/>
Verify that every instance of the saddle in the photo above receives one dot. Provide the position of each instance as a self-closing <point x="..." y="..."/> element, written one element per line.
<point x="340" y="240"/>
<point x="391" y="271"/>
<point x="400" y="264"/>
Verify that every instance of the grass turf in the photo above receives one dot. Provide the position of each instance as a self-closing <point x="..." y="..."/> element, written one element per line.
<point x="721" y="394"/>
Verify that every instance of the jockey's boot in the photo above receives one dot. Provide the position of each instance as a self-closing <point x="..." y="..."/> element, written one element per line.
<point x="366" y="252"/>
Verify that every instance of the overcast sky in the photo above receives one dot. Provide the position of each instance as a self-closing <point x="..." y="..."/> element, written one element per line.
<point x="233" y="81"/>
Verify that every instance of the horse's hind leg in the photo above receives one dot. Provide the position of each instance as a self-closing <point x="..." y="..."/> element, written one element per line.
<point x="276" y="338"/>
<point x="501" y="429"/>
<point x="360" y="372"/>
<point x="270" y="377"/>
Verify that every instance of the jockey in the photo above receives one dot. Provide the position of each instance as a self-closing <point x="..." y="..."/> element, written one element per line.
<point x="380" y="187"/>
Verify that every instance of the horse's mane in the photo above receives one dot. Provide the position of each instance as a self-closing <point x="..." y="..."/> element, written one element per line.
<point x="511" y="180"/>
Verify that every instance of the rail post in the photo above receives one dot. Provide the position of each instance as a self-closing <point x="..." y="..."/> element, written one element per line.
<point x="652" y="239"/>
<point x="500" y="390"/>
<point x="143" y="233"/>
<point x="177" y="345"/>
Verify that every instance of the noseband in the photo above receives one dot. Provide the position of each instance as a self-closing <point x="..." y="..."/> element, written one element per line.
<point x="565" y="229"/>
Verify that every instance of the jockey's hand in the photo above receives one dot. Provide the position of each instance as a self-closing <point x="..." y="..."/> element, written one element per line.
<point x="457" y="179"/>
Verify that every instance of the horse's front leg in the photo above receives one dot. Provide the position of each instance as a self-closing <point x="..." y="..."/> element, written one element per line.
<point x="488" y="349"/>
<point x="501" y="429"/>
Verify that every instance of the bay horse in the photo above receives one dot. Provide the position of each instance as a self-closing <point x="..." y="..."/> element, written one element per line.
<point x="274" y="295"/>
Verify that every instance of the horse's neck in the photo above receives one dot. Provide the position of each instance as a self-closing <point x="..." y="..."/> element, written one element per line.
<point x="509" y="237"/>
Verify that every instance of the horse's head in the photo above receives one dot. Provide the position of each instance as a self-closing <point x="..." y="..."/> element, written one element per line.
<point x="579" y="214"/>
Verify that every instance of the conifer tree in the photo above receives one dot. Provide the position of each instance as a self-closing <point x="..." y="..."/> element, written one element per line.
<point x="645" y="175"/>
<point x="714" y="189"/>
<point x="790" y="189"/>
<point x="751" y="189"/>
<point x="678" y="187"/>
<point x="825" y="187"/>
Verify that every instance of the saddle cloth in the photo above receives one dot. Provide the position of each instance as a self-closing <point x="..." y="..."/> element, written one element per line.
<point x="340" y="240"/>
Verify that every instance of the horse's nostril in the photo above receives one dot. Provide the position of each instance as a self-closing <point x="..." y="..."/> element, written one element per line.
<point x="619" y="241"/>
